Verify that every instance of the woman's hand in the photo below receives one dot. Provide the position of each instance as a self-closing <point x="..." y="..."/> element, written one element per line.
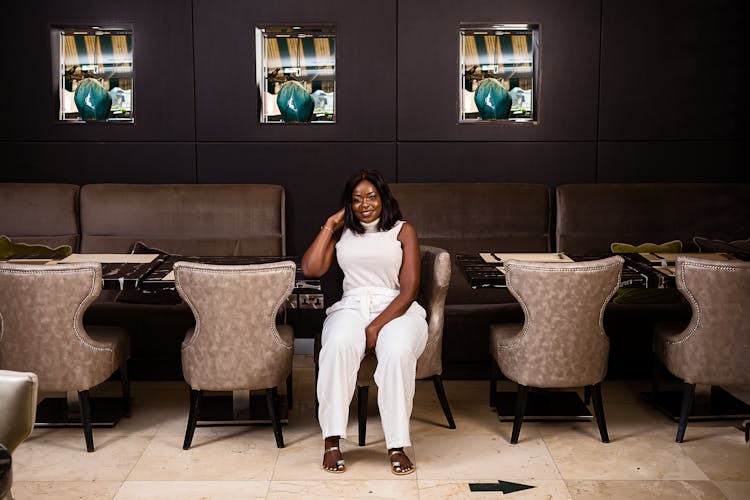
<point x="371" y="338"/>
<point x="336" y="221"/>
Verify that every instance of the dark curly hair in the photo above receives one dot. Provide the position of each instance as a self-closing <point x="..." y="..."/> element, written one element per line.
<point x="390" y="213"/>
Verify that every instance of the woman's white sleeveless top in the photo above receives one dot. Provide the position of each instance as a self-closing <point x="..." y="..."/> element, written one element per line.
<point x="372" y="259"/>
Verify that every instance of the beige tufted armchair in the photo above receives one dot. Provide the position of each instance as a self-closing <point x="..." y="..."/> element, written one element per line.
<point x="713" y="348"/>
<point x="236" y="343"/>
<point x="18" y="392"/>
<point x="562" y="342"/>
<point x="433" y="288"/>
<point x="41" y="331"/>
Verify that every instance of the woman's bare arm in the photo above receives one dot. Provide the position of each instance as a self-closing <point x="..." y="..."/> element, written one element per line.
<point x="318" y="257"/>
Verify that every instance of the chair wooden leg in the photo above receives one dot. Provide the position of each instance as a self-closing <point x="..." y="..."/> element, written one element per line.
<point x="272" y="397"/>
<point x="688" y="393"/>
<point x="437" y="381"/>
<point x="363" y="392"/>
<point x="125" y="383"/>
<point x="195" y="400"/>
<point x="521" y="398"/>
<point x="494" y="376"/>
<point x="587" y="395"/>
<point x="596" y="393"/>
<point x="85" y="404"/>
<point x="289" y="395"/>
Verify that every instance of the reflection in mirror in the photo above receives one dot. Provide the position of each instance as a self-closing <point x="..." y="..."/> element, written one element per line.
<point x="95" y="73"/>
<point x="497" y="74"/>
<point x="296" y="69"/>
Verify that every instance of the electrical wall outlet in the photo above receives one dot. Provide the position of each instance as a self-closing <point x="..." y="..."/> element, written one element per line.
<point x="310" y="300"/>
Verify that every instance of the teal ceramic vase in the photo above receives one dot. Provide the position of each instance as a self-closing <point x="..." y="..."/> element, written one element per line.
<point x="92" y="100"/>
<point x="492" y="100"/>
<point x="295" y="103"/>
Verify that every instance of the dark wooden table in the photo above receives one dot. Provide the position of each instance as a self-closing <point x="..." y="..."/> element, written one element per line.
<point x="481" y="274"/>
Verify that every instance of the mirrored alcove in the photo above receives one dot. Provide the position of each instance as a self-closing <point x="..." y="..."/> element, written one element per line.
<point x="498" y="72"/>
<point x="95" y="73"/>
<point x="296" y="69"/>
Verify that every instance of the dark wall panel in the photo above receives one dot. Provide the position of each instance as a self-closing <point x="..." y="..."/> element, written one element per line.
<point x="545" y="163"/>
<point x="428" y="66"/>
<point x="720" y="161"/>
<point x="225" y="58"/>
<point x="163" y="69"/>
<point x="672" y="70"/>
<point x="313" y="175"/>
<point x="85" y="163"/>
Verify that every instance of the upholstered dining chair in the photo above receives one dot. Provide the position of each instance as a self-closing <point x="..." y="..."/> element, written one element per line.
<point x="713" y="348"/>
<point x="41" y="331"/>
<point x="236" y="343"/>
<point x="433" y="288"/>
<point x="561" y="343"/>
<point x="18" y="393"/>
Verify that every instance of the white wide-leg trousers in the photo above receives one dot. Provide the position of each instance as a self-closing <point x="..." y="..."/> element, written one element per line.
<point x="400" y="342"/>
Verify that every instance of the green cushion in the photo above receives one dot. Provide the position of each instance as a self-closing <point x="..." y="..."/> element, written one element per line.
<point x="10" y="250"/>
<point x="647" y="295"/>
<point x="674" y="246"/>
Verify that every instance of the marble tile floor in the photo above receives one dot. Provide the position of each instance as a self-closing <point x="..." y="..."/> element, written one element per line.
<point x="142" y="456"/>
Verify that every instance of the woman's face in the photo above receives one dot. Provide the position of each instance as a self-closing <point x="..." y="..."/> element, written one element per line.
<point x="366" y="203"/>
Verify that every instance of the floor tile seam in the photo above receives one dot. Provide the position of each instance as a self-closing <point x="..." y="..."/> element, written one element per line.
<point x="193" y="481"/>
<point x="637" y="480"/>
<point x="275" y="464"/>
<point x="137" y="462"/>
<point x="93" y="481"/>
<point x="552" y="457"/>
<point x="614" y="437"/>
<point x="631" y="480"/>
<point x="122" y="484"/>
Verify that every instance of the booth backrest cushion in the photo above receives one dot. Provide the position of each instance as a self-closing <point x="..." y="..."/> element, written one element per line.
<point x="477" y="217"/>
<point x="590" y="217"/>
<point x="186" y="219"/>
<point x="39" y="213"/>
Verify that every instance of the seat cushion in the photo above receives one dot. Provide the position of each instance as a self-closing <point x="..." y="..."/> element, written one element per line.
<point x="113" y="337"/>
<point x="286" y="333"/>
<point x="501" y="335"/>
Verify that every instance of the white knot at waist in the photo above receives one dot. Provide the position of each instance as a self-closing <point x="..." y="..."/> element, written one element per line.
<point x="366" y="299"/>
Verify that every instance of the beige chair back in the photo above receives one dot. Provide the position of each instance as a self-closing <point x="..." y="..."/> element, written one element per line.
<point x="562" y="342"/>
<point x="41" y="327"/>
<point x="236" y="343"/>
<point x="713" y="349"/>
<point x="433" y="289"/>
<point x="18" y="393"/>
